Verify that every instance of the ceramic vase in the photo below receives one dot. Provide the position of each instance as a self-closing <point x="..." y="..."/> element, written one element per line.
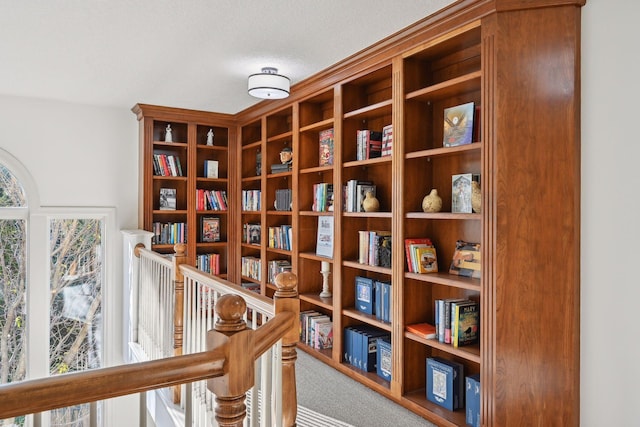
<point x="370" y="203"/>
<point x="432" y="202"/>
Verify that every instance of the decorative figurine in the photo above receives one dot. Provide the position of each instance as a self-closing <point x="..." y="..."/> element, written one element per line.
<point x="210" y="137"/>
<point x="432" y="202"/>
<point x="168" y="137"/>
<point x="286" y="156"/>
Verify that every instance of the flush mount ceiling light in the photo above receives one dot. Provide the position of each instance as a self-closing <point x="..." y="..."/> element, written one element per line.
<point x="268" y="84"/>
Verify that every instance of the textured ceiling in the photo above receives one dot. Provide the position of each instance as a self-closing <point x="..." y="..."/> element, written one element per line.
<point x="182" y="53"/>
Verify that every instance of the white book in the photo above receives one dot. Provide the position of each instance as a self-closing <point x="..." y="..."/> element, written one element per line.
<point x="211" y="168"/>
<point x="324" y="242"/>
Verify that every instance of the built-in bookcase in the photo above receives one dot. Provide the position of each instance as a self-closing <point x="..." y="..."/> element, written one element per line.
<point x="520" y="68"/>
<point x="188" y="150"/>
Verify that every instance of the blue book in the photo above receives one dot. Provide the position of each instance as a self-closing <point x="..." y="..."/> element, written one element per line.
<point x="369" y="348"/>
<point x="378" y="300"/>
<point x="472" y="397"/>
<point x="445" y="383"/>
<point x="347" y="355"/>
<point x="364" y="294"/>
<point x="383" y="356"/>
<point x="386" y="302"/>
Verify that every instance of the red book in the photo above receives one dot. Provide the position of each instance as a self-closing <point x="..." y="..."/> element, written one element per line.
<point x="425" y="330"/>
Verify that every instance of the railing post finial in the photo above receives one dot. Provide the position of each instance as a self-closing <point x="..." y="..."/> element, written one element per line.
<point x="230" y="309"/>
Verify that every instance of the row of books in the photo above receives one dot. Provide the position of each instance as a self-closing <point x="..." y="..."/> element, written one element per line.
<point x="280" y="237"/>
<point x="421" y="255"/>
<point x="457" y="321"/>
<point x="284" y="199"/>
<point x="316" y="330"/>
<point x="251" y="200"/>
<point x="167" y="165"/>
<point x="251" y="267"/>
<point x="448" y="387"/>
<point x="354" y="194"/>
<point x="251" y="286"/>
<point x="251" y="233"/>
<point x="275" y="267"/>
<point x="361" y="346"/>
<point x="281" y="167"/>
<point x="373" y="297"/>
<point x="209" y="263"/>
<point x="211" y="200"/>
<point x="369" y="144"/>
<point x="322" y="197"/>
<point x="169" y="233"/>
<point x="374" y="248"/>
<point x="326" y="147"/>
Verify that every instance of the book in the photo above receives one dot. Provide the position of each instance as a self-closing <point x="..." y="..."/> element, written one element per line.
<point x="383" y="244"/>
<point x="323" y="334"/>
<point x="326" y="147"/>
<point x="424" y="330"/>
<point x="461" y="192"/>
<point x="466" y="260"/>
<point x="258" y="163"/>
<point x="445" y="383"/>
<point x="458" y="125"/>
<point x="211" y="169"/>
<point x="387" y="140"/>
<point x="210" y="229"/>
<point x="472" y="400"/>
<point x="465" y="324"/>
<point x="365" y="294"/>
<point x="426" y="259"/>
<point x="324" y="239"/>
<point x="167" y="200"/>
<point x="383" y="358"/>
<point x="253" y="233"/>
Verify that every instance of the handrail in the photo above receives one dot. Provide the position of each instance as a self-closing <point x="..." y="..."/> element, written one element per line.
<point x="260" y="302"/>
<point x="82" y="387"/>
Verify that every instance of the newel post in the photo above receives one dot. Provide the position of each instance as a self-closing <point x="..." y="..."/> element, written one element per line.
<point x="286" y="299"/>
<point x="179" y="258"/>
<point x="230" y="389"/>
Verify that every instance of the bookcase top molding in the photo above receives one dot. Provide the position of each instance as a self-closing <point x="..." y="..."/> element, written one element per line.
<point x="457" y="14"/>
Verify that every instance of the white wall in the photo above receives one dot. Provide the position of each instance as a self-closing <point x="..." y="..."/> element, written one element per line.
<point x="610" y="359"/>
<point x="82" y="156"/>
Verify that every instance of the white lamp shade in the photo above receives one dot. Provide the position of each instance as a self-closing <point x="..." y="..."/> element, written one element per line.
<point x="269" y="84"/>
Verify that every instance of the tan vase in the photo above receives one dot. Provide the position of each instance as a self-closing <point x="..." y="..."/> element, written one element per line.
<point x="432" y="202"/>
<point x="370" y="203"/>
<point x="476" y="197"/>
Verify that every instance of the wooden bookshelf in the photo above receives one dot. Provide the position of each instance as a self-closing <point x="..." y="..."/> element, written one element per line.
<point x="519" y="63"/>
<point x="189" y="145"/>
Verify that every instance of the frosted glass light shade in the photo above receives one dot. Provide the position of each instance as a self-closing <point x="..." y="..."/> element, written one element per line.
<point x="269" y="84"/>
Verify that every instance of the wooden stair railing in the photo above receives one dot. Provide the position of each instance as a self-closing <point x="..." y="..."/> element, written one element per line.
<point x="226" y="364"/>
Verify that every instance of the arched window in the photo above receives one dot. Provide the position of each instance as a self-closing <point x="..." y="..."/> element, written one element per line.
<point x="52" y="272"/>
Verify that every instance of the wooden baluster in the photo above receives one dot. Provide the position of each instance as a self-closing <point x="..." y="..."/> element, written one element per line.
<point x="180" y="257"/>
<point x="286" y="299"/>
<point x="231" y="388"/>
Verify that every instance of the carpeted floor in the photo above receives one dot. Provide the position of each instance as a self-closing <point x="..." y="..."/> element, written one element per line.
<point x="324" y="390"/>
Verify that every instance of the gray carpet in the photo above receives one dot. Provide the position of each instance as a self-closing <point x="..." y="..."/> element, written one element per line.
<point x="327" y="391"/>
